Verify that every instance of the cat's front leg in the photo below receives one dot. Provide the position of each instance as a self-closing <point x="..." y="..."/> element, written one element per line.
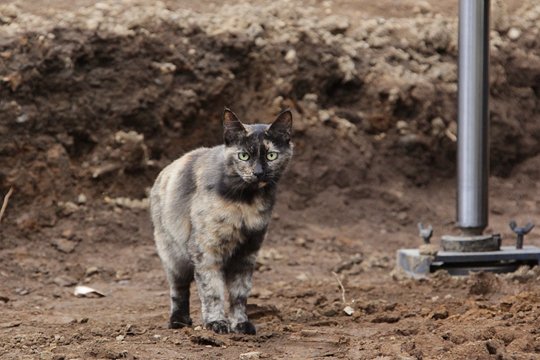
<point x="210" y="282"/>
<point x="238" y="276"/>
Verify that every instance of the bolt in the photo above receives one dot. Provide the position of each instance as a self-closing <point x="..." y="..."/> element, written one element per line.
<point x="520" y="232"/>
<point x="425" y="233"/>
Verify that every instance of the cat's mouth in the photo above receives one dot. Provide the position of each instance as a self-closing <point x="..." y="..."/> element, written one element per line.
<point x="255" y="181"/>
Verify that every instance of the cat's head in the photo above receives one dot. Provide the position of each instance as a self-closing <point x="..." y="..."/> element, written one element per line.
<point x="257" y="153"/>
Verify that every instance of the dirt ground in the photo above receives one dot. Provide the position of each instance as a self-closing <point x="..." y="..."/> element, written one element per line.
<point x="95" y="98"/>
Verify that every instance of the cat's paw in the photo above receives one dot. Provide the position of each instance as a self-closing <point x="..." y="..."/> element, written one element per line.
<point x="245" y="328"/>
<point x="219" y="326"/>
<point x="178" y="322"/>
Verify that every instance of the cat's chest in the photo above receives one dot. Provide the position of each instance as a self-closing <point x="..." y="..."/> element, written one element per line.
<point x="229" y="221"/>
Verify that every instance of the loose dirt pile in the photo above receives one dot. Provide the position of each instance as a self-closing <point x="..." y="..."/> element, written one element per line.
<point x="94" y="101"/>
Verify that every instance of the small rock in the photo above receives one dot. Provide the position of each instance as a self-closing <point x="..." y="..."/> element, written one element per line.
<point x="402" y="216"/>
<point x="422" y="7"/>
<point x="265" y="294"/>
<point x="22" y="291"/>
<point x="401" y="125"/>
<point x="198" y="328"/>
<point x="437" y="126"/>
<point x="302" y="277"/>
<point x="439" y="314"/>
<point x="165" y="67"/>
<point x="67" y="208"/>
<point x="64" y="281"/>
<point x="81" y="199"/>
<point x="122" y="275"/>
<point x="348" y="310"/>
<point x="428" y="249"/>
<point x="335" y="24"/>
<point x="290" y="57"/>
<point x="120" y="337"/>
<point x="4" y="299"/>
<point x="348" y="264"/>
<point x="324" y="116"/>
<point x="68" y="234"/>
<point x="85" y="291"/>
<point x="92" y="270"/>
<point x="21" y="119"/>
<point x="250" y="355"/>
<point x="514" y="33"/>
<point x="64" y="245"/>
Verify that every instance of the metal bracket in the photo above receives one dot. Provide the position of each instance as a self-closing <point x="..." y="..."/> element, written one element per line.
<point x="425" y="233"/>
<point x="520" y="232"/>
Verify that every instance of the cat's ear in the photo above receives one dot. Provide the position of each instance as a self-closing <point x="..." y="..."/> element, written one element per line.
<point x="232" y="127"/>
<point x="282" y="125"/>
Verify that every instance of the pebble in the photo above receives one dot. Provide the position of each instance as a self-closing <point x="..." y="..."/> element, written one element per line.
<point x="64" y="280"/>
<point x="514" y="33"/>
<point x="92" y="270"/>
<point x="81" y="199"/>
<point x="64" y="245"/>
<point x="300" y="241"/>
<point x="348" y="310"/>
<point x="250" y="355"/>
<point x="290" y="57"/>
<point x="439" y="314"/>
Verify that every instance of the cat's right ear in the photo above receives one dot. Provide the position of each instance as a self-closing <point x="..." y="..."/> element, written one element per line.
<point x="233" y="129"/>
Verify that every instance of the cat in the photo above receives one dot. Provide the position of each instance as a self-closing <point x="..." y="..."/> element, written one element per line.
<point x="210" y="210"/>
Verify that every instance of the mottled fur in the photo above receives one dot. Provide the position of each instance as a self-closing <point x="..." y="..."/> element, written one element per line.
<point x="210" y="211"/>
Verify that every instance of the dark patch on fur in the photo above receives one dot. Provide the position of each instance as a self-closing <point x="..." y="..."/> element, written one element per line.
<point x="253" y="235"/>
<point x="280" y="140"/>
<point x="187" y="177"/>
<point x="180" y="316"/>
<point x="238" y="261"/>
<point x="233" y="188"/>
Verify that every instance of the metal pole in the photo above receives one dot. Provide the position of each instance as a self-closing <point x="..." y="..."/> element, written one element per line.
<point x="473" y="116"/>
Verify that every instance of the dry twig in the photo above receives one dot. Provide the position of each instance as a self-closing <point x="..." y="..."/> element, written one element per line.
<point x="5" y="203"/>
<point x="341" y="286"/>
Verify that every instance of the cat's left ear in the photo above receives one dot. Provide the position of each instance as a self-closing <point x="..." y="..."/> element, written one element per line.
<point x="233" y="129"/>
<point x="282" y="125"/>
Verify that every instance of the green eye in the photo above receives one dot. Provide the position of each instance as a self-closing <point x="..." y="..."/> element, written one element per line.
<point x="244" y="156"/>
<point x="272" y="155"/>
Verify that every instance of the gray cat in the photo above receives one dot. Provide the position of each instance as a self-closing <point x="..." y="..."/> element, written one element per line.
<point x="210" y="210"/>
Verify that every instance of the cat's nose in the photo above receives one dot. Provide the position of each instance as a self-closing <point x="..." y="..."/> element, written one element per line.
<point x="258" y="171"/>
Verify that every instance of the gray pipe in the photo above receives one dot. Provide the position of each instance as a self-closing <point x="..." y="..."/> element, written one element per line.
<point x="473" y="116"/>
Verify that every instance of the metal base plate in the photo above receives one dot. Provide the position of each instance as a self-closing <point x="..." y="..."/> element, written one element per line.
<point x="459" y="263"/>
